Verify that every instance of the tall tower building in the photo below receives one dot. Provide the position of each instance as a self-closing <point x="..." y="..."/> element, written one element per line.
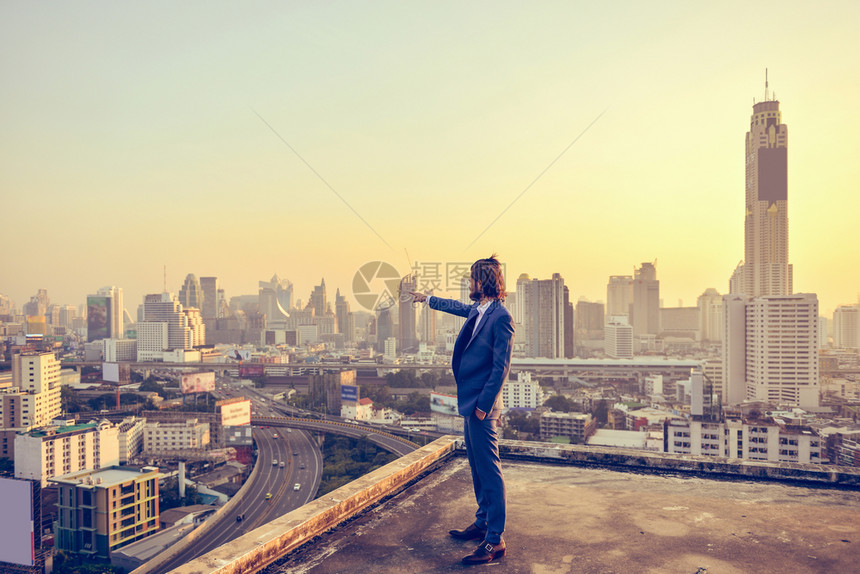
<point x="408" y="340"/>
<point x="318" y="299"/>
<point x="782" y="349"/>
<point x="105" y="314"/>
<point x="276" y="302"/>
<point x="211" y="300"/>
<point x="117" y="314"/>
<point x="846" y="327"/>
<point x="191" y="293"/>
<point x="646" y="301"/>
<point x="710" y="305"/>
<point x="543" y="316"/>
<point x="345" y="319"/>
<point x="766" y="270"/>
<point x="165" y="325"/>
<point x="619" y="296"/>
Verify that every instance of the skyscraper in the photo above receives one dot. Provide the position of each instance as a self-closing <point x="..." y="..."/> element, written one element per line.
<point x="345" y="319"/>
<point x="846" y="327"/>
<point x="770" y="346"/>
<point x="710" y="305"/>
<point x="318" y="299"/>
<point x="105" y="314"/>
<point x="646" y="300"/>
<point x="543" y="316"/>
<point x="191" y="293"/>
<point x="766" y="270"/>
<point x="211" y="300"/>
<point x="619" y="296"/>
<point x="408" y="340"/>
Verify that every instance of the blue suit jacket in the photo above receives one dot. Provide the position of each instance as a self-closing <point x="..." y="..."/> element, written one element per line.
<point x="481" y="359"/>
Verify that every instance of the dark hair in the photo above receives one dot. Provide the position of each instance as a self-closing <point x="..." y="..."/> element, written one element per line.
<point x="488" y="272"/>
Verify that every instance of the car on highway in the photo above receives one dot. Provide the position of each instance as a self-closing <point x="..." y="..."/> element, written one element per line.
<point x="296" y="453"/>
<point x="282" y="464"/>
<point x="275" y="435"/>
<point x="297" y="486"/>
<point x="275" y="462"/>
<point x="302" y="466"/>
<point x="268" y="496"/>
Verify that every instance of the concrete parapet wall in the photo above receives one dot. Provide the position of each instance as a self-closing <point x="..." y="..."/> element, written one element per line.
<point x="703" y="466"/>
<point x="262" y="546"/>
<point x="192" y="536"/>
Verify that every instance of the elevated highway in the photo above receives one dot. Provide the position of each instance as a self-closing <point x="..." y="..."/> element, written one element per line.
<point x="390" y="442"/>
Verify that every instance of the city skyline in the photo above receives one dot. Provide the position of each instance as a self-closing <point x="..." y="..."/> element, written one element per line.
<point x="428" y="122"/>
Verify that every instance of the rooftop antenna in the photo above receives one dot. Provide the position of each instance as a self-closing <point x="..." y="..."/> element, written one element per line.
<point x="765" y="84"/>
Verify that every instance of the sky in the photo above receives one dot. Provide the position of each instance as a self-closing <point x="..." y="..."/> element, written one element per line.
<point x="241" y="140"/>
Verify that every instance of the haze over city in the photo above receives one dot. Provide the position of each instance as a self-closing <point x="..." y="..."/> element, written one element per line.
<point x="133" y="140"/>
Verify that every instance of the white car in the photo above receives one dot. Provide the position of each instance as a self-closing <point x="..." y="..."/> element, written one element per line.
<point x="275" y="462"/>
<point x="297" y="486"/>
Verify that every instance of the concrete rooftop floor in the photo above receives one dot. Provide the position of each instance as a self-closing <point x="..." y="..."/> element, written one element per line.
<point x="567" y="519"/>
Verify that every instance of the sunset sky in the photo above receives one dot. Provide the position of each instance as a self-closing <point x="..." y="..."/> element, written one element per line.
<point x="130" y="139"/>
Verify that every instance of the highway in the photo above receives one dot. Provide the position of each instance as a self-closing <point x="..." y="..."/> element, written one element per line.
<point x="271" y="478"/>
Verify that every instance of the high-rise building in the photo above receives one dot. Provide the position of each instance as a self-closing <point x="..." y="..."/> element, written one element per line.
<point x="568" y="325"/>
<point x="646" y="301"/>
<point x="37" y="306"/>
<point x="163" y="312"/>
<point x="117" y="314"/>
<point x="618" y="338"/>
<point x="191" y="292"/>
<point x="345" y="320"/>
<point x="105" y="314"/>
<point x="65" y="447"/>
<point x="543" y="316"/>
<point x="427" y="325"/>
<point x="619" y="296"/>
<point x="212" y="298"/>
<point x="772" y="352"/>
<point x="318" y="299"/>
<point x="408" y="340"/>
<point x="710" y="305"/>
<point x="276" y="301"/>
<point x="34" y="399"/>
<point x="766" y="270"/>
<point x="846" y="327"/>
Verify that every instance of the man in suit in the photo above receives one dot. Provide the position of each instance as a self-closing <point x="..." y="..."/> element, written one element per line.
<point x="481" y="361"/>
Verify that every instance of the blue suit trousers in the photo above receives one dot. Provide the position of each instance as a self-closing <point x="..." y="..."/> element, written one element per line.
<point x="482" y="450"/>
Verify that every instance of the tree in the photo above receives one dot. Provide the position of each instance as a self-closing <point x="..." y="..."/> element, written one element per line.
<point x="559" y="404"/>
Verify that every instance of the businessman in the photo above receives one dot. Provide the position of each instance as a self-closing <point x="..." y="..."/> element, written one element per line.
<point x="481" y="361"/>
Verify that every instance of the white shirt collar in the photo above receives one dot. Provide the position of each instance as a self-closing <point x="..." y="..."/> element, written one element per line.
<point x="483" y="307"/>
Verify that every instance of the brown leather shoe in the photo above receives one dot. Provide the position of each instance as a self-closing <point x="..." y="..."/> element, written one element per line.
<point x="485" y="552"/>
<point x="471" y="532"/>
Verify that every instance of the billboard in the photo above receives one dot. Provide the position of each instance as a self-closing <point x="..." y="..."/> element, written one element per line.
<point x="445" y="404"/>
<point x="98" y="318"/>
<point x="17" y="536"/>
<point x="251" y="370"/>
<point x="349" y="393"/>
<point x="235" y="412"/>
<point x="110" y="372"/>
<point x="198" y="383"/>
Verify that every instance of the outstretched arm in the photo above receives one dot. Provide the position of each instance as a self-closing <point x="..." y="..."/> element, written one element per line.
<point x="448" y="305"/>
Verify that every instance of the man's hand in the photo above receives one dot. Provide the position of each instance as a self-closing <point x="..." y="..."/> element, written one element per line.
<point x="480" y="414"/>
<point x="418" y="297"/>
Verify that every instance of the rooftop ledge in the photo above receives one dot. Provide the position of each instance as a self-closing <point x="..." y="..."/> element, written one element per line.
<point x="570" y="508"/>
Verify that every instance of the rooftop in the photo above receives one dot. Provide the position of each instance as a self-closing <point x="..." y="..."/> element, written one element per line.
<point x="567" y="514"/>
<point x="63" y="429"/>
<point x="109" y="476"/>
